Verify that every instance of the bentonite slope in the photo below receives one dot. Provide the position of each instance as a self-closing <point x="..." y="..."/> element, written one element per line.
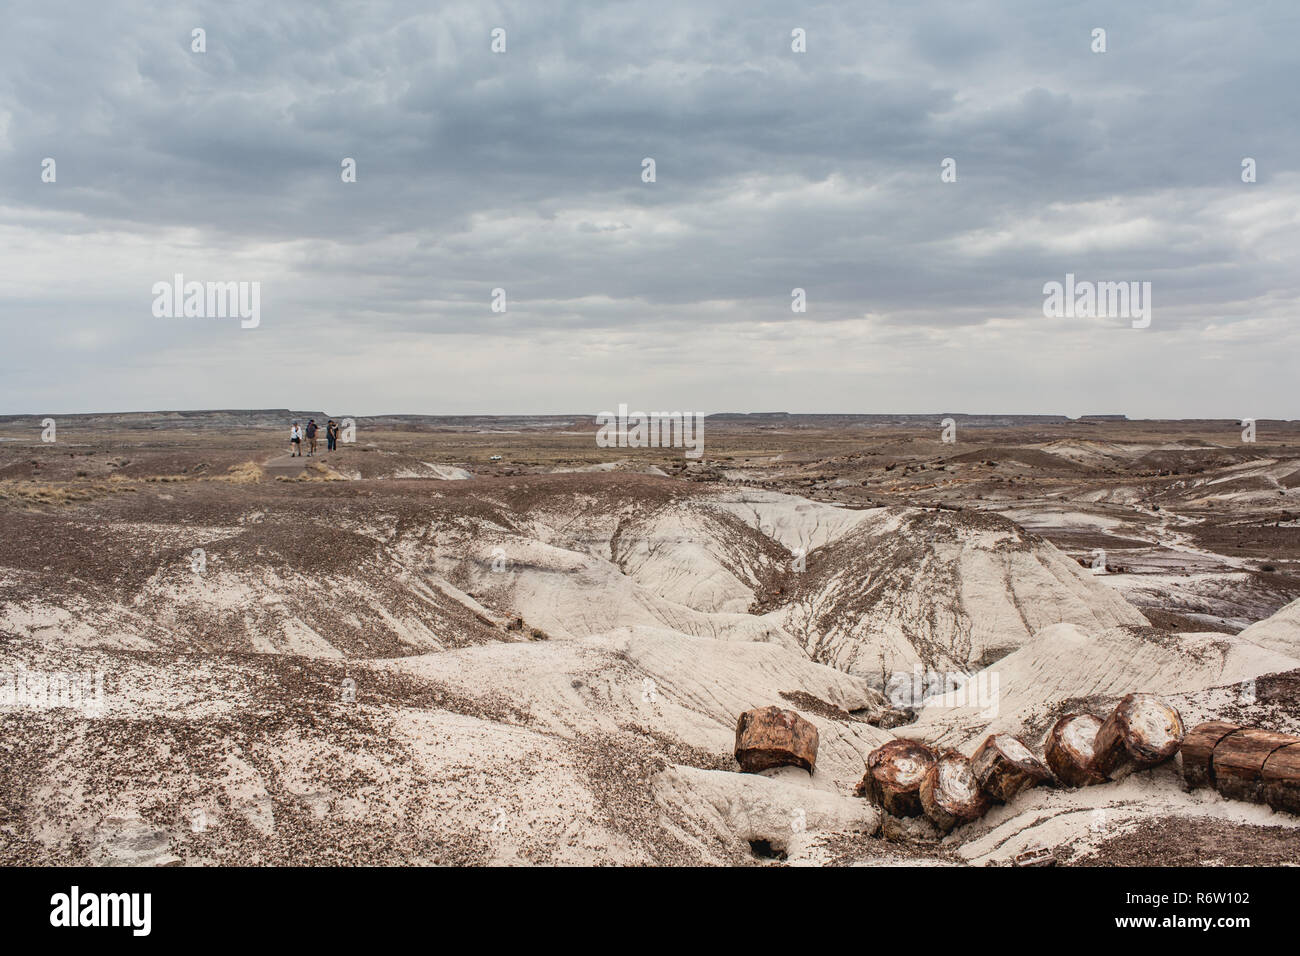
<point x="540" y="668"/>
<point x="1280" y="632"/>
<point x="939" y="590"/>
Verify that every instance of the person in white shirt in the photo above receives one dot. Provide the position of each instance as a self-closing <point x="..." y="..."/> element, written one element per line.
<point x="295" y="441"/>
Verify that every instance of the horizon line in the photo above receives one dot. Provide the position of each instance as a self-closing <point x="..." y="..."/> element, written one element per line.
<point x="824" y="414"/>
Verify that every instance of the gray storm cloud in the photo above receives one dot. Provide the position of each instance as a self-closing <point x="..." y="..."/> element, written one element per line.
<point x="774" y="170"/>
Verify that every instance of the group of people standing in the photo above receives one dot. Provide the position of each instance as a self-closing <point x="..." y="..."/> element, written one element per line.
<point x="299" y="435"/>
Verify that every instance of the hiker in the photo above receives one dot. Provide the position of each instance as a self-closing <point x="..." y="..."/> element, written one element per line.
<point x="295" y="441"/>
<point x="331" y="435"/>
<point x="311" y="437"/>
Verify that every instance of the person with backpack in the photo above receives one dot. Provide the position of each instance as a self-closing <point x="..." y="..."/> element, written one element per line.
<point x="295" y="441"/>
<point x="311" y="437"/>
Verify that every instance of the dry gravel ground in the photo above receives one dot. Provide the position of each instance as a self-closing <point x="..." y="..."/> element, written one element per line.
<point x="416" y="654"/>
<point x="1197" y="842"/>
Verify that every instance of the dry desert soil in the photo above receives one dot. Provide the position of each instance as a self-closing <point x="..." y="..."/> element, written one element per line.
<point x="489" y="641"/>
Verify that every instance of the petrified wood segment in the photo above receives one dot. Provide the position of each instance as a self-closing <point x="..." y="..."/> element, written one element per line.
<point x="950" y="794"/>
<point x="1198" y="751"/>
<point x="1069" y="750"/>
<point x="1142" y="731"/>
<point x="1004" y="767"/>
<point x="1239" y="762"/>
<point x="894" y="774"/>
<point x="1280" y="778"/>
<point x="772" y="737"/>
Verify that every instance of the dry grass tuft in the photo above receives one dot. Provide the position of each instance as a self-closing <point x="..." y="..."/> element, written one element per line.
<point x="25" y="492"/>
<point x="242" y="474"/>
<point x="317" y="472"/>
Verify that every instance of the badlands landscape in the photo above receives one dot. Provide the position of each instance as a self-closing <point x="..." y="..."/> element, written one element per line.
<point x="486" y="641"/>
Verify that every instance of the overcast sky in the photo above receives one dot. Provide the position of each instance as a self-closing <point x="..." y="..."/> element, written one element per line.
<point x="775" y="169"/>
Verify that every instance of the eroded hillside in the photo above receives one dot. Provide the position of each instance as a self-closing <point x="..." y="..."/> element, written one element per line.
<point x="402" y="657"/>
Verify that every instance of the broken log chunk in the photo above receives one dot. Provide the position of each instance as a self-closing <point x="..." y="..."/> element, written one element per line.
<point x="1069" y="750"/>
<point x="1004" y="767"/>
<point x="1239" y="762"/>
<point x="771" y="737"/>
<point x="1281" y="778"/>
<point x="950" y="794"/>
<point x="1035" y="856"/>
<point x="1142" y="731"/>
<point x="1198" y="751"/>
<point x="894" y="774"/>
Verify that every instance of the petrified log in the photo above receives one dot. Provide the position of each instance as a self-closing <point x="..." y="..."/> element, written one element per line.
<point x="894" y="774"/>
<point x="1239" y="762"/>
<point x="1281" y="778"/>
<point x="1198" y="751"/>
<point x="772" y="737"/>
<point x="1069" y="750"/>
<point x="1142" y="731"/>
<point x="1004" y="767"/>
<point x="950" y="794"/>
<point x="1037" y="856"/>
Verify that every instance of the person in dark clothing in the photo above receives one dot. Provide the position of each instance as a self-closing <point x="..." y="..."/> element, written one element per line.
<point x="311" y="437"/>
<point x="331" y="435"/>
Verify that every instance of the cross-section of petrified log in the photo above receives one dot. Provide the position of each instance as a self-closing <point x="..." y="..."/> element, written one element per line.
<point x="950" y="794"/>
<point x="1239" y="762"/>
<point x="1069" y="750"/>
<point x="772" y="737"/>
<point x="894" y="774"/>
<point x="1281" y="778"/>
<point x="1004" y="767"/>
<point x="1142" y="731"/>
<point x="1198" y="751"/>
